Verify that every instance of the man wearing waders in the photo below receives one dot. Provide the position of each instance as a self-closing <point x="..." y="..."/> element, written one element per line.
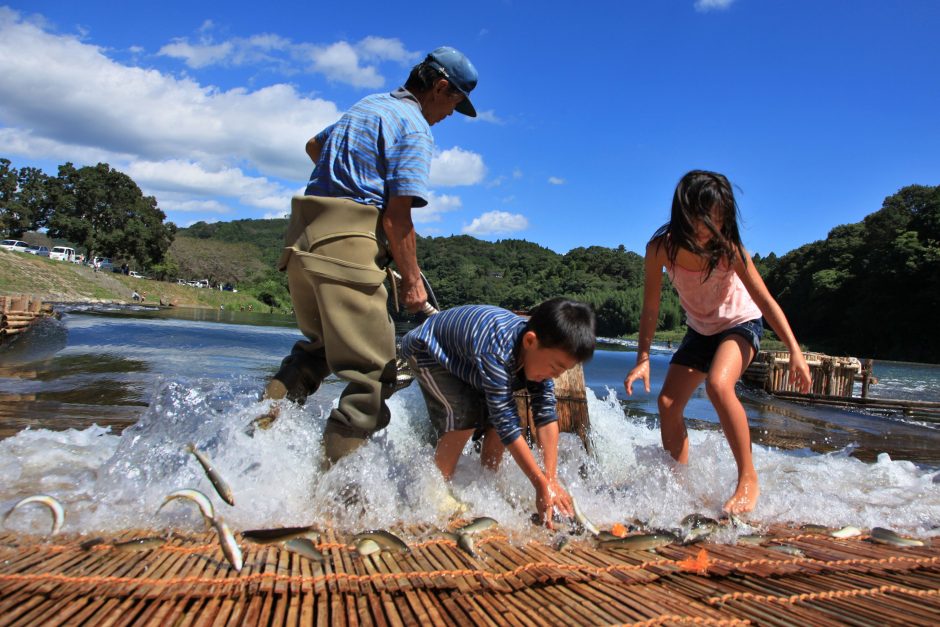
<point x="371" y="168"/>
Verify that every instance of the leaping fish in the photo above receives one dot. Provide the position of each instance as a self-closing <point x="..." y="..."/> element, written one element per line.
<point x="58" y="512"/>
<point x="229" y="546"/>
<point x="197" y="497"/>
<point x="217" y="481"/>
<point x="481" y="523"/>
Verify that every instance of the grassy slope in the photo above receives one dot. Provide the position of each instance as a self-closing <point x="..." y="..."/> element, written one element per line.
<point x="58" y="281"/>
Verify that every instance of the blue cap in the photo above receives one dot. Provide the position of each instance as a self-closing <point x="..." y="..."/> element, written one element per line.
<point x="458" y="71"/>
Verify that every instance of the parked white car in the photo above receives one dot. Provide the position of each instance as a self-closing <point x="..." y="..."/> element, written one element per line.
<point x="62" y="253"/>
<point x="135" y="274"/>
<point x="14" y="244"/>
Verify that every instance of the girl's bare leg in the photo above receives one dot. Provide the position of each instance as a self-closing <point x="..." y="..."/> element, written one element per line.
<point x="732" y="357"/>
<point x="678" y="387"/>
<point x="492" y="451"/>
<point x="449" y="448"/>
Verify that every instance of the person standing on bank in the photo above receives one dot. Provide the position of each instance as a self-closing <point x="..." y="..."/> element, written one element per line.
<point x="371" y="168"/>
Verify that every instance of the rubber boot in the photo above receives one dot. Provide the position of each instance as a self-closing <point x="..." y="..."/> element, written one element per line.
<point x="338" y="445"/>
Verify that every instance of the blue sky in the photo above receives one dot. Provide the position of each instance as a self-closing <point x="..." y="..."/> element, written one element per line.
<point x="590" y="112"/>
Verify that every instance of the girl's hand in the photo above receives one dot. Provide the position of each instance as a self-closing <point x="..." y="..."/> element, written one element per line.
<point x="640" y="371"/>
<point x="799" y="372"/>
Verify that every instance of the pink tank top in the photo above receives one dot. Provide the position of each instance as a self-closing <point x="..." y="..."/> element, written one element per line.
<point x="716" y="305"/>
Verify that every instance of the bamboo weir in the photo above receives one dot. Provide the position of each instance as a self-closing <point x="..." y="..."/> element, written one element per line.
<point x="834" y="381"/>
<point x="18" y="313"/>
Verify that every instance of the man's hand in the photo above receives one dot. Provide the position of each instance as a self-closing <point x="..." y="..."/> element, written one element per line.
<point x="413" y="295"/>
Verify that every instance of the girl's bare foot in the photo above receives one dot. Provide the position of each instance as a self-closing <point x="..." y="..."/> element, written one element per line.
<point x="744" y="498"/>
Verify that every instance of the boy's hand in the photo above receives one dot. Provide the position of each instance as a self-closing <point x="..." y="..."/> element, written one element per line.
<point x="550" y="496"/>
<point x="640" y="371"/>
<point x="799" y="372"/>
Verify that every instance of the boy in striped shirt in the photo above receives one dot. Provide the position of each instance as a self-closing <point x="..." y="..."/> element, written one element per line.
<point x="469" y="360"/>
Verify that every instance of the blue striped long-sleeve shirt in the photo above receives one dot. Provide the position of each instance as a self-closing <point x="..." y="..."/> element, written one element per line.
<point x="478" y="344"/>
<point x="380" y="148"/>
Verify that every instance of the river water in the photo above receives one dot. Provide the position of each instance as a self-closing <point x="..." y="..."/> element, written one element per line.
<point x="96" y="409"/>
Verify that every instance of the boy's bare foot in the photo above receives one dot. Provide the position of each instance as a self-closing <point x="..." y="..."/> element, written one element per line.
<point x="744" y="498"/>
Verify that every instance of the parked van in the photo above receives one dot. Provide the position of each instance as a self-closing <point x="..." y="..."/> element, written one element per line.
<point x="62" y="253"/>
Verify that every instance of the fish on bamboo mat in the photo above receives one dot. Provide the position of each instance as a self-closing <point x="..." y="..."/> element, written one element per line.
<point x="230" y="548"/>
<point x="282" y="534"/>
<point x="386" y="540"/>
<point x="134" y="545"/>
<point x="58" y="512"/>
<point x="887" y="536"/>
<point x="305" y="548"/>
<point x="641" y="541"/>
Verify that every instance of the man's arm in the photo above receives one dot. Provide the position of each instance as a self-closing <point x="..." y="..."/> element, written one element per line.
<point x="400" y="231"/>
<point x="313" y="149"/>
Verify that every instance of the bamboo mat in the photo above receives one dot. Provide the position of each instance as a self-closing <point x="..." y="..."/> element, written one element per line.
<point x="188" y="582"/>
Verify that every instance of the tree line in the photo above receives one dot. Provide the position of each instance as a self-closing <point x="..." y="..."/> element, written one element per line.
<point x="869" y="289"/>
<point x="98" y="208"/>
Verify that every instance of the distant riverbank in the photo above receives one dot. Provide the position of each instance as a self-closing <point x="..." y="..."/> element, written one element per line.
<point x="64" y="282"/>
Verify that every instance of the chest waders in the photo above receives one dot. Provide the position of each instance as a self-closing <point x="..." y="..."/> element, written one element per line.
<point x="335" y="255"/>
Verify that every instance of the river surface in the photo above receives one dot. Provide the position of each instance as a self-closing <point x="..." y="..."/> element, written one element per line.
<point x="96" y="409"/>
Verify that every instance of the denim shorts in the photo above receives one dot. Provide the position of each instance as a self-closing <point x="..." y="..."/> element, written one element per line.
<point x="697" y="351"/>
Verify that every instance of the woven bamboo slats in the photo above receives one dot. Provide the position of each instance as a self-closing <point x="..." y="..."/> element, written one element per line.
<point x="17" y="313"/>
<point x="187" y="581"/>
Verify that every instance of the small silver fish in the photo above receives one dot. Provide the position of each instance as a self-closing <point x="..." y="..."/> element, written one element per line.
<point x="305" y="548"/>
<point x="561" y="541"/>
<point x="283" y="534"/>
<point x="700" y="527"/>
<point x="58" y="512"/>
<point x="217" y="481"/>
<point x="846" y="532"/>
<point x="229" y="546"/>
<point x="887" y="536"/>
<point x="385" y="539"/>
<point x="582" y="519"/>
<point x="465" y="542"/>
<point x="641" y="542"/>
<point x="139" y="544"/>
<point x="752" y="539"/>
<point x="197" y="497"/>
<point x="603" y="536"/>
<point x="811" y="528"/>
<point x="788" y="549"/>
<point x="481" y="523"/>
<point x="367" y="546"/>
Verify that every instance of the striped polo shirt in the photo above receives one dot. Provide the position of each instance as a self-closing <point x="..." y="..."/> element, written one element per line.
<point x="380" y="148"/>
<point x="477" y="344"/>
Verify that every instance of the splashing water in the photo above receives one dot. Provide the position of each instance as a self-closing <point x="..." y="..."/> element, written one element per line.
<point x="113" y="482"/>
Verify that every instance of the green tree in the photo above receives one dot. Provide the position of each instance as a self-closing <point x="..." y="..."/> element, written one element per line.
<point x="104" y="211"/>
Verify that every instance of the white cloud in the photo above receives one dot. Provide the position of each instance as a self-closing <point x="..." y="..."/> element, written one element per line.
<point x="170" y="202"/>
<point x="197" y="55"/>
<point x="61" y="98"/>
<point x="517" y="173"/>
<point x="704" y="6"/>
<point x="555" y="180"/>
<point x="275" y="215"/>
<point x="485" y="116"/>
<point x="193" y="178"/>
<point x="384" y="49"/>
<point x="496" y="222"/>
<point x="340" y="62"/>
<point x="456" y="167"/>
<point x="437" y="205"/>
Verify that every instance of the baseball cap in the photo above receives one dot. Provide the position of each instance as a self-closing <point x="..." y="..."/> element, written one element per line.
<point x="458" y="71"/>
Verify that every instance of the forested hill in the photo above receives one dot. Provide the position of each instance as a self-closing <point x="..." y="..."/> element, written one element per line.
<point x="871" y="288"/>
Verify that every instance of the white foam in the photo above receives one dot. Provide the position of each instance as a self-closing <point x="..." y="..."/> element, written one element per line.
<point x="108" y="482"/>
